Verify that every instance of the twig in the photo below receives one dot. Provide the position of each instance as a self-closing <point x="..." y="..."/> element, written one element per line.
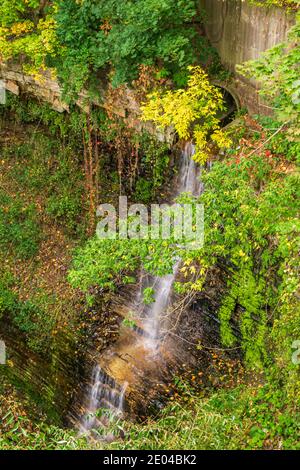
<point x="202" y="347"/>
<point x="268" y="140"/>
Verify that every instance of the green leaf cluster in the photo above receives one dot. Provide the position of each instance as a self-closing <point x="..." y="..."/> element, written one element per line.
<point x="120" y="36"/>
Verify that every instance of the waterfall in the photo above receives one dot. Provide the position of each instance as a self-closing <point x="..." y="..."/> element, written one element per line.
<point x="104" y="391"/>
<point x="163" y="288"/>
<point x="189" y="181"/>
<point x="189" y="172"/>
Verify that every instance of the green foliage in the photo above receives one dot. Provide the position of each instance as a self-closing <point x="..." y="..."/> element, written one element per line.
<point x="47" y="165"/>
<point x="19" y="228"/>
<point x="29" y="110"/>
<point x="129" y="323"/>
<point x="27" y="29"/>
<point x="42" y="191"/>
<point x="111" y="260"/>
<point x="123" y="35"/>
<point x="252" y="225"/>
<point x="143" y="190"/>
<point x="148" y="295"/>
<point x="7" y="296"/>
<point x="79" y="40"/>
<point x="33" y="320"/>
<point x="289" y="4"/>
<point x="28" y="316"/>
<point x="251" y="209"/>
<point x="64" y="208"/>
<point x="279" y="143"/>
<point x="18" y="432"/>
<point x="153" y="169"/>
<point x="246" y="417"/>
<point x="64" y="203"/>
<point x="101" y="262"/>
<point x="108" y="262"/>
<point x="241" y="418"/>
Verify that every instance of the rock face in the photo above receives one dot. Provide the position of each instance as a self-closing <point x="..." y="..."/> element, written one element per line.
<point x="241" y="32"/>
<point x="123" y="103"/>
<point x="46" y="89"/>
<point x="147" y="375"/>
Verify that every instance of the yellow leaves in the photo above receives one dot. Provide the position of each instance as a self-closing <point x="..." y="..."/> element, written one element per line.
<point x="170" y="109"/>
<point x="200" y="138"/>
<point x="200" y="156"/>
<point x="22" y="27"/>
<point x="202" y="271"/>
<point x="200" y="102"/>
<point x="47" y="29"/>
<point x="197" y="285"/>
<point x="33" y="41"/>
<point x="184" y="270"/>
<point x="243" y="255"/>
<point x="221" y="138"/>
<point x="187" y="268"/>
<point x="188" y="262"/>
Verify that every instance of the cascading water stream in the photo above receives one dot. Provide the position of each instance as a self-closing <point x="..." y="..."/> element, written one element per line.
<point x="151" y="326"/>
<point x="189" y="181"/>
<point x="104" y="391"/>
<point x="189" y="172"/>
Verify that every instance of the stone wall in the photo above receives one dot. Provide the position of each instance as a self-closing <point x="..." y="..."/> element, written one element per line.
<point x="241" y="32"/>
<point x="46" y="89"/>
<point x="123" y="103"/>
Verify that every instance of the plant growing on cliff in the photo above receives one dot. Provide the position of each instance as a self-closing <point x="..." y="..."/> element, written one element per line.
<point x="78" y="40"/>
<point x="28" y="31"/>
<point x="19" y="231"/>
<point x="120" y="36"/>
<point x="252" y="229"/>
<point x="192" y="111"/>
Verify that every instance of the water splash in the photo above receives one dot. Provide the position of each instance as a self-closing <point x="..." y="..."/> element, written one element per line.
<point x="189" y="172"/>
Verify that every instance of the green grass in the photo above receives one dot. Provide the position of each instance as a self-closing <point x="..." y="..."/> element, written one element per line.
<point x="246" y="417"/>
<point x="242" y="418"/>
<point x="19" y="227"/>
<point x="50" y="172"/>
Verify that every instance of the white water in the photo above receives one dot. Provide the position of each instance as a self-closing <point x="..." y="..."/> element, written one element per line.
<point x="105" y="393"/>
<point x="189" y="181"/>
<point x="163" y="288"/>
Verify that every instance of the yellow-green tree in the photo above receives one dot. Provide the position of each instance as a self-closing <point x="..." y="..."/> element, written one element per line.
<point x="191" y="111"/>
<point x="28" y="32"/>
